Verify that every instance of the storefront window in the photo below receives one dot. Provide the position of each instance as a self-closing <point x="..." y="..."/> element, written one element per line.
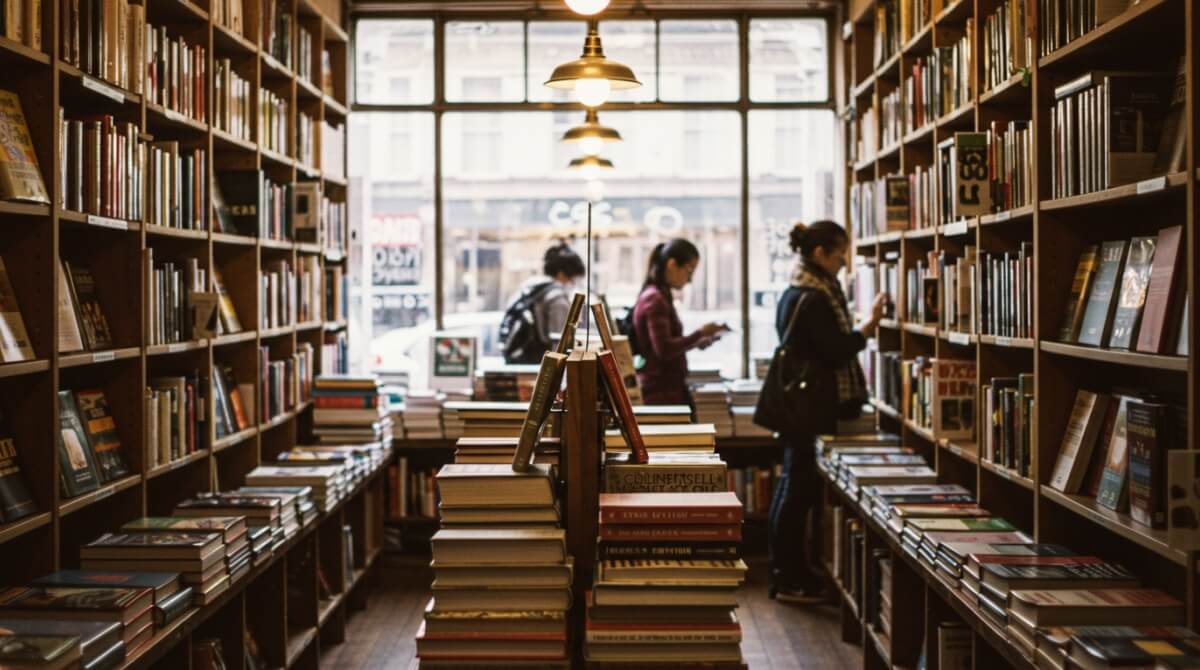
<point x="485" y="51"/>
<point x="698" y="60"/>
<point x="393" y="62"/>
<point x="789" y="60"/>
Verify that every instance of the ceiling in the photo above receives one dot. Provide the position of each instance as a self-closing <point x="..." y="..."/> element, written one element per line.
<point x="618" y="7"/>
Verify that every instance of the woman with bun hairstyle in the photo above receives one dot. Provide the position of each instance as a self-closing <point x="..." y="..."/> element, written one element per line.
<point x="825" y="336"/>
<point x="657" y="327"/>
<point x="549" y="299"/>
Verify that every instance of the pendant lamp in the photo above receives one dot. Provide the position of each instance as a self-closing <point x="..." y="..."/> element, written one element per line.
<point x="590" y="135"/>
<point x="592" y="76"/>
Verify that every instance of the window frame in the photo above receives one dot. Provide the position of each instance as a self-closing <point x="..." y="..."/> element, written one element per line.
<point x="743" y="105"/>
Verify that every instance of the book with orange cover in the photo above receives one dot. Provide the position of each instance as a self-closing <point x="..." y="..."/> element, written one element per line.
<point x="721" y="507"/>
<point x="619" y="397"/>
<point x="20" y="177"/>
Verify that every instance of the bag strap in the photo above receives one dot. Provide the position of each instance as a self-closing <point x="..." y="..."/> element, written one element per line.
<point x="787" y="332"/>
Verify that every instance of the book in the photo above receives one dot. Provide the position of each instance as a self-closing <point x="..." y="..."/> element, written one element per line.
<point x="671" y="533"/>
<point x="672" y="571"/>
<point x="618" y="397"/>
<point x="102" y="434"/>
<point x="15" y="499"/>
<point x="664" y="472"/>
<point x="96" y="638"/>
<point x="70" y="336"/>
<point x="1012" y="573"/>
<point x="231" y="528"/>
<point x="549" y="380"/>
<point x="20" y="176"/>
<point x="1133" y="650"/>
<point x="1113" y="492"/>
<point x="1163" y="301"/>
<point x="120" y="604"/>
<point x="162" y="584"/>
<point x="1147" y="444"/>
<point x="953" y="397"/>
<point x="14" y="340"/>
<point x="89" y="314"/>
<point x="487" y="485"/>
<point x="710" y="551"/>
<point x="1072" y="319"/>
<point x="77" y="465"/>
<point x="981" y="524"/>
<point x="1096" y="607"/>
<point x="41" y="650"/>
<point x="1132" y="295"/>
<point x="135" y="545"/>
<point x="1079" y="438"/>
<point x="667" y="437"/>
<point x="1101" y="302"/>
<point x="670" y="508"/>
<point x="225" y="309"/>
<point x="490" y="546"/>
<point x="245" y="201"/>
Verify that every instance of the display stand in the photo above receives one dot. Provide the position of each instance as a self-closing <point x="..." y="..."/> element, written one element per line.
<point x="582" y="431"/>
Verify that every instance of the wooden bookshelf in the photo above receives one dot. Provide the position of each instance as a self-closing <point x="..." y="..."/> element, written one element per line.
<point x="1160" y="32"/>
<point x="39" y="235"/>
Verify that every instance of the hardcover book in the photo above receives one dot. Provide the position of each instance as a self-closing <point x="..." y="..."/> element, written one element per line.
<point x="20" y="176"/>
<point x="1079" y="438"/>
<point x="164" y="584"/>
<point x="670" y="508"/>
<point x="244" y="197"/>
<point x="95" y="637"/>
<point x="77" y="465"/>
<point x="15" y="500"/>
<point x="487" y="484"/>
<point x="622" y="408"/>
<point x="1146" y="430"/>
<point x="230" y="527"/>
<point x="1094" y="607"/>
<point x="1132" y="296"/>
<point x="549" y="380"/>
<point x="38" y="651"/>
<point x="70" y="337"/>
<point x="1113" y="493"/>
<point x="953" y="398"/>
<point x="671" y="533"/>
<point x="226" y="311"/>
<point x="1080" y="285"/>
<point x="90" y="315"/>
<point x="96" y="604"/>
<point x="665" y="472"/>
<point x="14" y="340"/>
<point x="1163" y="295"/>
<point x="1101" y="301"/>
<point x="102" y="434"/>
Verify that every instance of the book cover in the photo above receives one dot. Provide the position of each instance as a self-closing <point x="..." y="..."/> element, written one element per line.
<point x="77" y="465"/>
<point x="622" y="408"/>
<point x="88" y="311"/>
<point x="664" y="475"/>
<point x="452" y="360"/>
<point x="1145" y="430"/>
<point x="1161" y="311"/>
<point x="985" y="524"/>
<point x="1113" y="492"/>
<point x="244" y="201"/>
<point x="703" y="551"/>
<point x="39" y="650"/>
<point x="1101" y="303"/>
<point x="1079" y="439"/>
<point x="226" y="310"/>
<point x="102" y="434"/>
<point x="1068" y="331"/>
<point x="159" y="582"/>
<point x="15" y="499"/>
<point x="70" y="598"/>
<point x="972" y="192"/>
<point x="14" y="340"/>
<point x="20" y="176"/>
<point x="545" y="389"/>
<point x="953" y="399"/>
<point x="70" y="337"/>
<point x="670" y="508"/>
<point x="1133" y="651"/>
<point x="1132" y="295"/>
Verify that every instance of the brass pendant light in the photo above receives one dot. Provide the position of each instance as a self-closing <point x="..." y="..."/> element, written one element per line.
<point x="592" y="76"/>
<point x="590" y="135"/>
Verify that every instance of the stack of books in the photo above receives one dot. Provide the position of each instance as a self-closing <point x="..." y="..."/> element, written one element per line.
<point x="199" y="557"/>
<point x="92" y="644"/>
<point x="502" y="577"/>
<point x="743" y="397"/>
<point x="506" y="383"/>
<point x="668" y="612"/>
<point x="120" y="619"/>
<point x="489" y="419"/>
<point x="231" y="528"/>
<point x="704" y="374"/>
<point x="329" y="483"/>
<point x="453" y="425"/>
<point x="350" y="409"/>
<point x="294" y="499"/>
<point x="656" y="414"/>
<point x="423" y="415"/>
<point x="694" y="437"/>
<point x="502" y="449"/>
<point x="712" y="406"/>
<point x="260" y="512"/>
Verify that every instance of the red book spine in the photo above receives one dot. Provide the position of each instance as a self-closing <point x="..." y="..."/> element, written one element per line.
<point x="684" y="533"/>
<point x="670" y="515"/>
<point x="624" y="409"/>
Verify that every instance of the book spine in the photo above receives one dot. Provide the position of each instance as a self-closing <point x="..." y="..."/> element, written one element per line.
<point x="676" y="515"/>
<point x="658" y="478"/>
<point x="622" y="407"/>
<point x="668" y="551"/>
<point x="669" y="533"/>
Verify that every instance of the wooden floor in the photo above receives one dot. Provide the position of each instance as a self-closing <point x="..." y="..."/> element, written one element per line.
<point x="775" y="636"/>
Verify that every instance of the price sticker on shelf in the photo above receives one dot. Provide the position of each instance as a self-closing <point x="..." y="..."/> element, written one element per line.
<point x="847" y="30"/>
<point x="173" y="116"/>
<point x="956" y="228"/>
<point x="960" y="338"/>
<point x="104" y="356"/>
<point x="110" y="92"/>
<point x="1002" y="216"/>
<point x="106" y="222"/>
<point x="1151" y="185"/>
<point x="177" y="347"/>
<point x="105" y="492"/>
<point x="1004" y="341"/>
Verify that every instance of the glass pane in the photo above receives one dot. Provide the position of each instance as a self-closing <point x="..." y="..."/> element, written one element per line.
<point x="631" y="43"/>
<point x="699" y="61"/>
<point x="552" y="43"/>
<point x="485" y="61"/>
<point x="789" y="60"/>
<point x="393" y="62"/>
<point x="392" y="278"/>
<point x="791" y="179"/>
<point x="499" y="223"/>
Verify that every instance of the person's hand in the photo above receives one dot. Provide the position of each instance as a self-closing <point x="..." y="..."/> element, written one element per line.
<point x="705" y="342"/>
<point x="712" y="330"/>
<point x="878" y="306"/>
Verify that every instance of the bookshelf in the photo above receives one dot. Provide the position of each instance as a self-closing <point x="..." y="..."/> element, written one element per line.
<point x="1160" y="32"/>
<point x="35" y="237"/>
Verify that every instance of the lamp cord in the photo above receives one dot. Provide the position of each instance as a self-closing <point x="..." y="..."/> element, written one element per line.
<point x="587" y="334"/>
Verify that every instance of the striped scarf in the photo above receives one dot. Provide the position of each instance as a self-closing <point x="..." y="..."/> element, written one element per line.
<point x="851" y="383"/>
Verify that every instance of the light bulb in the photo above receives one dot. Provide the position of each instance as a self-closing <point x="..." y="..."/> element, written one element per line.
<point x="594" y="190"/>
<point x="591" y="146"/>
<point x="587" y="7"/>
<point x="589" y="172"/>
<point x="592" y="92"/>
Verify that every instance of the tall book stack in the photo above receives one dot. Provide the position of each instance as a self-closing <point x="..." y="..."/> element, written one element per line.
<point x="350" y="410"/>
<point x="712" y="406"/>
<point x="743" y="398"/>
<point x="269" y="522"/>
<point x="231" y="528"/>
<point x="199" y="557"/>
<point x="670" y="612"/>
<point x="423" y="414"/>
<point x="502" y="577"/>
<point x="328" y="483"/>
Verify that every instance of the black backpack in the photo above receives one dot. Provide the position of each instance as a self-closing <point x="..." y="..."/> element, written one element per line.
<point x="627" y="328"/>
<point x="520" y="333"/>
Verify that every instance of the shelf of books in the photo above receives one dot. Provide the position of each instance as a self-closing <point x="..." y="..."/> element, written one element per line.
<point x="1039" y="253"/>
<point x="172" y="279"/>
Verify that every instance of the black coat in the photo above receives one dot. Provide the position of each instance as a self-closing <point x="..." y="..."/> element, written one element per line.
<point x="817" y="338"/>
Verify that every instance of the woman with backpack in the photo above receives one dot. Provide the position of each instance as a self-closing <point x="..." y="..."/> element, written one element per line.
<point x="539" y="310"/>
<point x="658" y="330"/>
<point x="814" y="319"/>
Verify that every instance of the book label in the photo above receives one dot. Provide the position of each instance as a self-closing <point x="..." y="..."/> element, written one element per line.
<point x="173" y="116"/>
<point x="1002" y="216"/>
<point x="104" y="493"/>
<point x="954" y="229"/>
<point x="1004" y="341"/>
<point x="960" y="338"/>
<point x="177" y="347"/>
<point x="110" y="92"/>
<point x="107" y="222"/>
<point x="1151" y="185"/>
<point x="104" y="356"/>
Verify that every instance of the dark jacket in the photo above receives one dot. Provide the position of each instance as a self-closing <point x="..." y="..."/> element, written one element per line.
<point x="664" y="347"/>
<point x="817" y="338"/>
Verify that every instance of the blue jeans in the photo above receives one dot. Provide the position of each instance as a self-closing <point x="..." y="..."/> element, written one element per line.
<point x="796" y="495"/>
